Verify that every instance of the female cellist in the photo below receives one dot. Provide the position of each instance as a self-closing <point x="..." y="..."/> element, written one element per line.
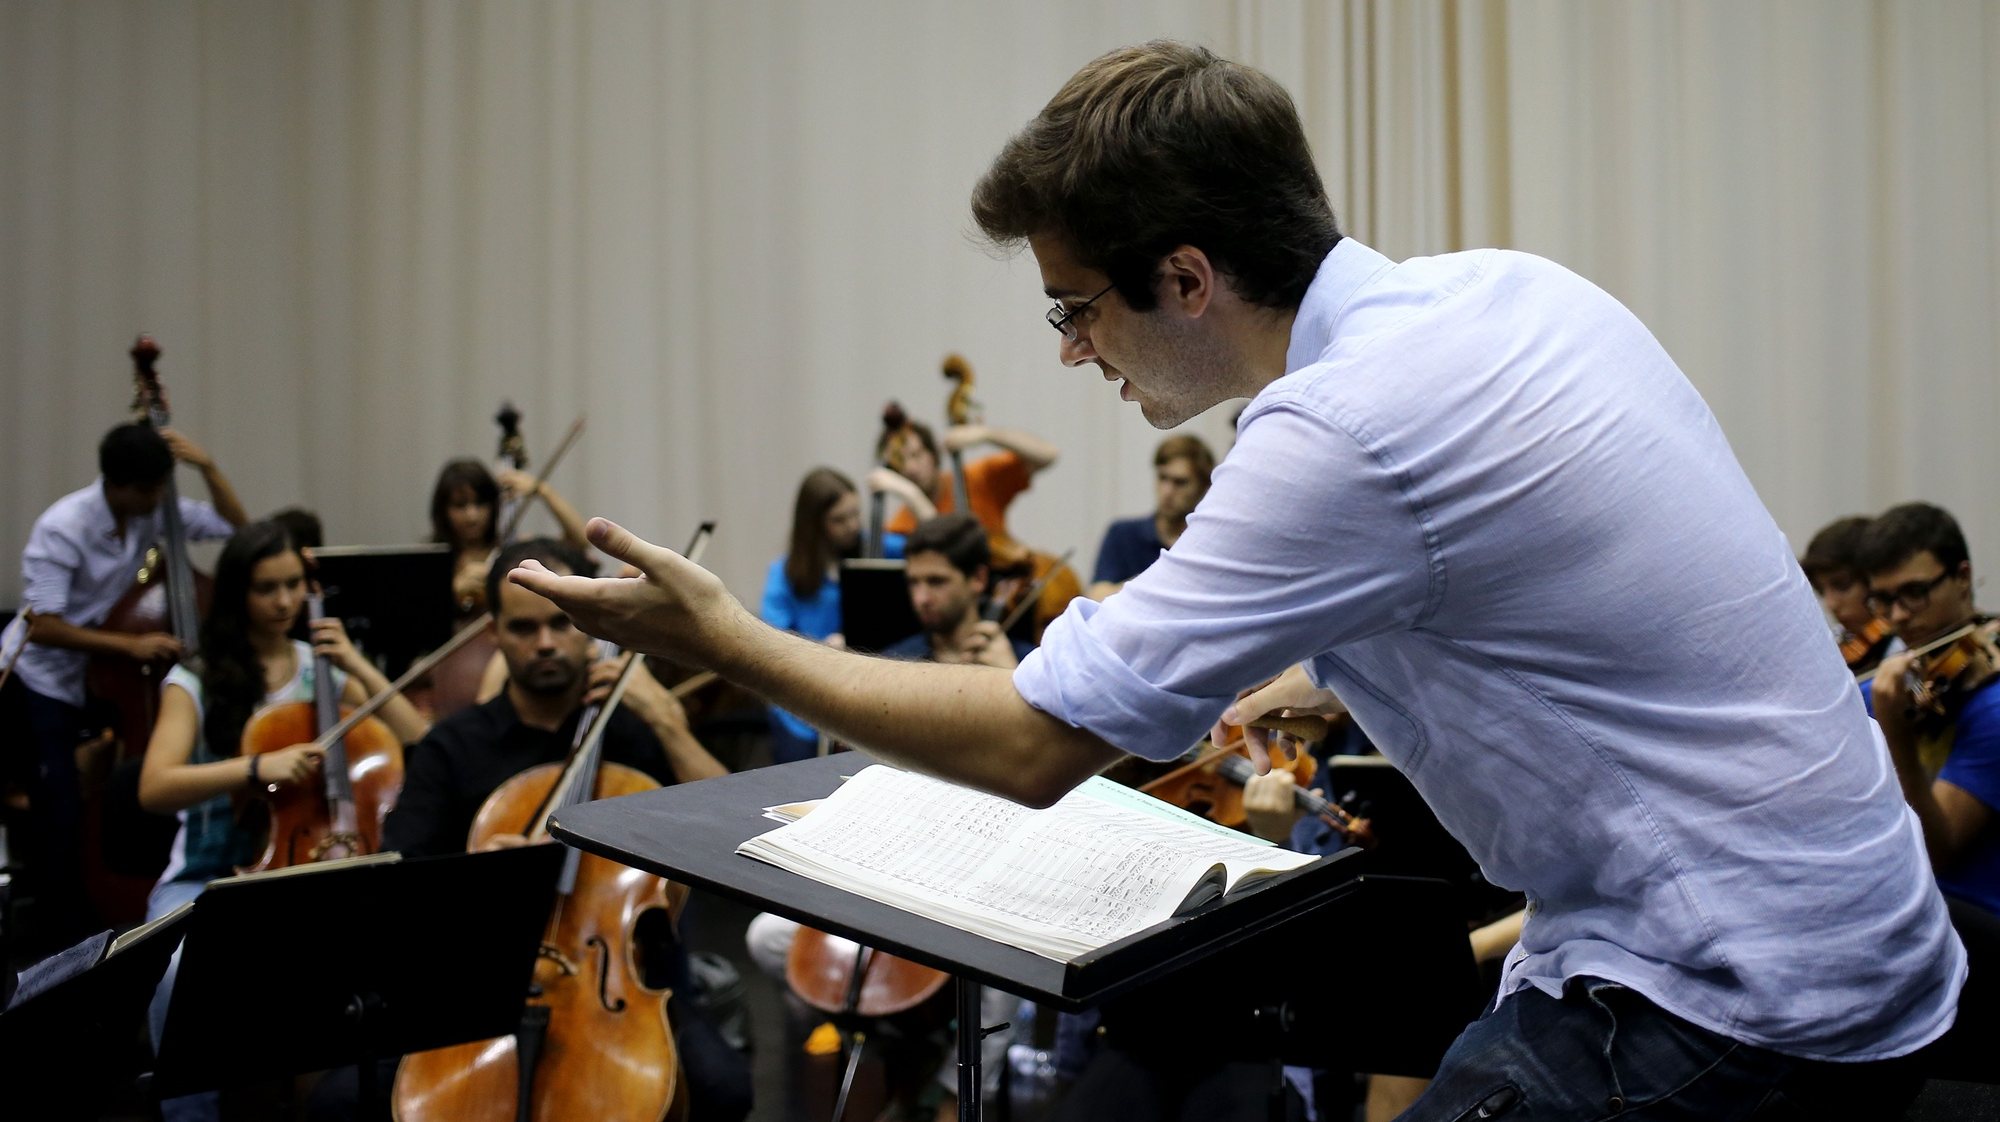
<point x="192" y="767"/>
<point x="465" y="514"/>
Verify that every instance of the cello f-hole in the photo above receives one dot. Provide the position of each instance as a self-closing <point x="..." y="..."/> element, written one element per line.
<point x="604" y="998"/>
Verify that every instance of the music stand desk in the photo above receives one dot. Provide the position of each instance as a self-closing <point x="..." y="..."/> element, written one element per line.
<point x="690" y="833"/>
<point x="333" y="967"/>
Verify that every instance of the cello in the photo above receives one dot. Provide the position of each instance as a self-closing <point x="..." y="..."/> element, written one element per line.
<point x="360" y="773"/>
<point x="595" y="1041"/>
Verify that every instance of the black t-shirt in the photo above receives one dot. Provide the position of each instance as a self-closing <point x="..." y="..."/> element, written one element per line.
<point x="467" y="756"/>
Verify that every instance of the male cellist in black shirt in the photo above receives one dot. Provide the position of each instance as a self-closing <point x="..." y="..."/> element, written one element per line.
<point x="551" y="676"/>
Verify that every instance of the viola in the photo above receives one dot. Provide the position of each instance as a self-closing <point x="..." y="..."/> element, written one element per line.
<point x="361" y="772"/>
<point x="595" y="1041"/>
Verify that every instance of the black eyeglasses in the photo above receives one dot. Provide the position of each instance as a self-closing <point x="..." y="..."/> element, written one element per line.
<point x="1059" y="317"/>
<point x="1914" y="596"/>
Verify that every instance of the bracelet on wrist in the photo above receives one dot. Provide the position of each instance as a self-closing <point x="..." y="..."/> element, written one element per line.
<point x="255" y="780"/>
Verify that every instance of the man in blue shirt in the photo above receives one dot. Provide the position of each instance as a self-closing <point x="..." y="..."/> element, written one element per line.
<point x="1946" y="744"/>
<point x="82" y="557"/>
<point x="946" y="562"/>
<point x="1473" y="501"/>
<point x="1182" y="467"/>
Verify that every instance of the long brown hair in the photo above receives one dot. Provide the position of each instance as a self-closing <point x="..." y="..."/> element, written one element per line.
<point x="471" y="474"/>
<point x="811" y="554"/>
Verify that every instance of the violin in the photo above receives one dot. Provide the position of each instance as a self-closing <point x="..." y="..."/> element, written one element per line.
<point x="361" y="772"/>
<point x="1857" y="646"/>
<point x="1211" y="783"/>
<point x="1946" y="671"/>
<point x="595" y="1041"/>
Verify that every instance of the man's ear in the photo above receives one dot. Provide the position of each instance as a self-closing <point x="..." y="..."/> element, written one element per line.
<point x="981" y="578"/>
<point x="1190" y="280"/>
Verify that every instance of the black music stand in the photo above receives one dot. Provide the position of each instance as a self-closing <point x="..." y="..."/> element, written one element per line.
<point x="394" y="599"/>
<point x="353" y="965"/>
<point x="875" y="611"/>
<point x="66" y="1050"/>
<point x="689" y="833"/>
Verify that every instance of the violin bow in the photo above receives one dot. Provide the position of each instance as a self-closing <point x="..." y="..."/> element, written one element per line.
<point x="549" y="465"/>
<point x="1034" y="593"/>
<point x="417" y="670"/>
<point x="591" y="730"/>
<point x="1934" y="644"/>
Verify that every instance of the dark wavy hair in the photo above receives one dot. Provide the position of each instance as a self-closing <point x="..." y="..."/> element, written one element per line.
<point x="463" y="473"/>
<point x="811" y="554"/>
<point x="958" y="536"/>
<point x="134" y="454"/>
<point x="1902" y="532"/>
<point x="549" y="551"/>
<point x="1160" y="145"/>
<point x="232" y="679"/>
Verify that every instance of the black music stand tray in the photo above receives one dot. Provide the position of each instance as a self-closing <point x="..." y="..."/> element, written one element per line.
<point x="875" y="611"/>
<point x="67" y="1050"/>
<point x="689" y="833"/>
<point x="292" y="974"/>
<point x="394" y="599"/>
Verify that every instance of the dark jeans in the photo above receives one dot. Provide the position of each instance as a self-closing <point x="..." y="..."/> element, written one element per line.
<point x="1603" y="1050"/>
<point x="62" y="911"/>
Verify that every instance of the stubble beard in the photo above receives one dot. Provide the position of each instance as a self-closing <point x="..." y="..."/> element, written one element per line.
<point x="1188" y="370"/>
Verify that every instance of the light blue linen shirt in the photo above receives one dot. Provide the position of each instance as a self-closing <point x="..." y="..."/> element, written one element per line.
<point x="1488" y="511"/>
<point x="77" y="565"/>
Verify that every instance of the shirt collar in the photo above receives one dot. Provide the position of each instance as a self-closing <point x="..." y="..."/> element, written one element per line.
<point x="102" y="521"/>
<point x="1347" y="267"/>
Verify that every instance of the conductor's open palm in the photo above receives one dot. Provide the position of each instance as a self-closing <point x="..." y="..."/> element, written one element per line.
<point x="674" y="608"/>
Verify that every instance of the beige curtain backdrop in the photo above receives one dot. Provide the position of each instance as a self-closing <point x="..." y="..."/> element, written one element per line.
<point x="727" y="232"/>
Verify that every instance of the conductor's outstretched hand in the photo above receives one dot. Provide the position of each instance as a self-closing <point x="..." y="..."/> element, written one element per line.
<point x="673" y="608"/>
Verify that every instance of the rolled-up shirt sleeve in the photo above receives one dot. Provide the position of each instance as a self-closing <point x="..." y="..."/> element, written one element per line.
<point x="1306" y="541"/>
<point x="204" y="522"/>
<point x="48" y="567"/>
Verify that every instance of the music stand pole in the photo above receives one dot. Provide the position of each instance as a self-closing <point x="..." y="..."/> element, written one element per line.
<point x="971" y="1034"/>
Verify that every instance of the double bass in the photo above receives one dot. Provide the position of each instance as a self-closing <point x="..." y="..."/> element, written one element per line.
<point x="168" y="595"/>
<point x="1021" y="574"/>
<point x="595" y="1040"/>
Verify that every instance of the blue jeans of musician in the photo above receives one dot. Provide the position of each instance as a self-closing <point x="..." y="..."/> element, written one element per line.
<point x="1603" y="1050"/>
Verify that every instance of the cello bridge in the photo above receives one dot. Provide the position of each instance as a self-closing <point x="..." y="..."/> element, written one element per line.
<point x="563" y="962"/>
<point x="335" y="846"/>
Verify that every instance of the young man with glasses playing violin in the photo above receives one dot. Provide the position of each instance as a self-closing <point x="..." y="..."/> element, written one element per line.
<point x="1939" y="711"/>
<point x="1462" y="486"/>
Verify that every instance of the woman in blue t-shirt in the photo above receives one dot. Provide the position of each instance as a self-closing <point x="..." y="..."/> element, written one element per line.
<point x="193" y="766"/>
<point x="802" y="589"/>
